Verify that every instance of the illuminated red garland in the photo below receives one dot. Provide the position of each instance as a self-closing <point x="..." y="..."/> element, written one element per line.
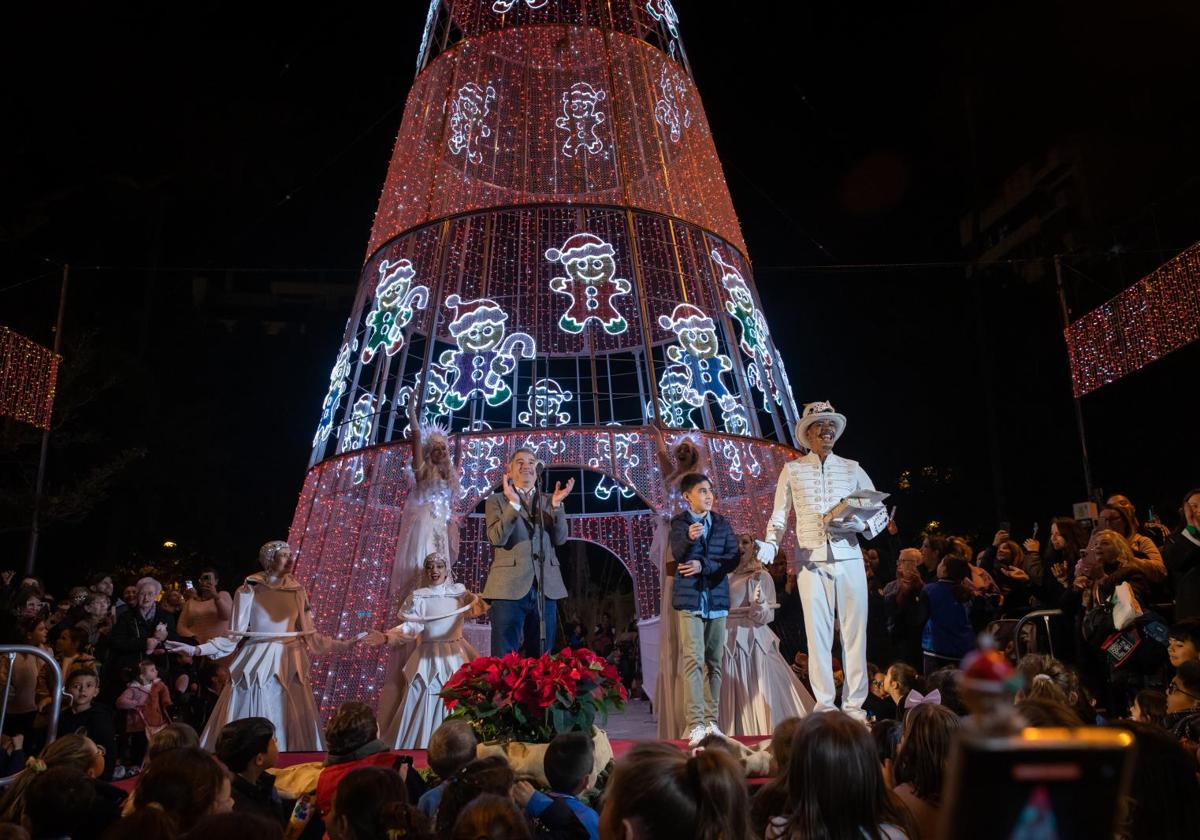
<point x="1155" y="316"/>
<point x="28" y="376"/>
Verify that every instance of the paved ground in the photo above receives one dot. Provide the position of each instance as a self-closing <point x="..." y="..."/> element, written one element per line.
<point x="634" y="724"/>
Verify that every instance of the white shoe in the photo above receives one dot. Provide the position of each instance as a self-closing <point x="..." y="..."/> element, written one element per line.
<point x="697" y="735"/>
<point x="710" y="728"/>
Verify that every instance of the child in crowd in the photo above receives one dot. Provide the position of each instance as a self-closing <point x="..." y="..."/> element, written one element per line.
<point x="88" y="715"/>
<point x="173" y="736"/>
<point x="1183" y="641"/>
<point x="72" y="651"/>
<point x="488" y="816"/>
<point x="772" y="796"/>
<point x="451" y="748"/>
<point x="372" y="802"/>
<point x="146" y="702"/>
<point x="568" y="763"/>
<point x="705" y="549"/>
<point x="1150" y="706"/>
<point x="483" y="775"/>
<point x="836" y="786"/>
<point x="658" y="791"/>
<point x="248" y="749"/>
<point x="920" y="766"/>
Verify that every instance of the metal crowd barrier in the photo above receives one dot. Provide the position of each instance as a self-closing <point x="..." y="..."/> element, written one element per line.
<point x="9" y="653"/>
<point x="1028" y="618"/>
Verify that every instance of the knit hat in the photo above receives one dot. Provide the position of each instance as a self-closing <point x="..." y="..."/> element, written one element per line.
<point x="578" y="247"/>
<point x="686" y="317"/>
<point x="471" y="313"/>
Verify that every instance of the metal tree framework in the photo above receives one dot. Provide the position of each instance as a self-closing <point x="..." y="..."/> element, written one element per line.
<point x="555" y="263"/>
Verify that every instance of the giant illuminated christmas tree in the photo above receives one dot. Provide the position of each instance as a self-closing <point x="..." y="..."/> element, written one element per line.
<point x="555" y="263"/>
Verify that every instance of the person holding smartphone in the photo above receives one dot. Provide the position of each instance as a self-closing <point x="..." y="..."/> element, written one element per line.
<point x="205" y="614"/>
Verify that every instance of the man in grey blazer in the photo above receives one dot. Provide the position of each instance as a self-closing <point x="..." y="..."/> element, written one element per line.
<point x="514" y="579"/>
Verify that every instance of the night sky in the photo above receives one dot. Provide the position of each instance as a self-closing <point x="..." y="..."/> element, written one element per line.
<point x="186" y="160"/>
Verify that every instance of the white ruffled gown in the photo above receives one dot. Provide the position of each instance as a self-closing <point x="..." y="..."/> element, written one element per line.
<point x="758" y="687"/>
<point x="433" y="617"/>
<point x="426" y="526"/>
<point x="268" y="675"/>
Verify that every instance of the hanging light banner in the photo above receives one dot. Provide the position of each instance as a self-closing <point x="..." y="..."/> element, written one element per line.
<point x="1155" y="316"/>
<point x="28" y="375"/>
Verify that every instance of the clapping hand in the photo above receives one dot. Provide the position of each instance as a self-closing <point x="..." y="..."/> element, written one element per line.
<point x="1016" y="573"/>
<point x="561" y="491"/>
<point x="375" y="638"/>
<point x="1032" y="546"/>
<point x="510" y="492"/>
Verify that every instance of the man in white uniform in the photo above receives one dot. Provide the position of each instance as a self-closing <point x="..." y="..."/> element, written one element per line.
<point x="830" y="576"/>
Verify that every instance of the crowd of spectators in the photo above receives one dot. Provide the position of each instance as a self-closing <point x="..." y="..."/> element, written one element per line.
<point x="1121" y="650"/>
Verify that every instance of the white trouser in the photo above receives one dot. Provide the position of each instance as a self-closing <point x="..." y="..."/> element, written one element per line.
<point x="829" y="588"/>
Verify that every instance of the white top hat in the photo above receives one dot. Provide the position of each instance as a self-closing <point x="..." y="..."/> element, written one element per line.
<point x="815" y="411"/>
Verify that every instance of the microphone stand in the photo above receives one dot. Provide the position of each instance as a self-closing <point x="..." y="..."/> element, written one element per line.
<point x="539" y="556"/>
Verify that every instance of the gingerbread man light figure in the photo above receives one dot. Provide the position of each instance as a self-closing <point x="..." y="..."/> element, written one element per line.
<point x="590" y="265"/>
<point x="468" y="120"/>
<point x="697" y="352"/>
<point x="396" y="301"/>
<point x="546" y="398"/>
<point x="581" y="117"/>
<point x="484" y="355"/>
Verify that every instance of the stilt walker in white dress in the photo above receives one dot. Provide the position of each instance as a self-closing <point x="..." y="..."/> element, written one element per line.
<point x="432" y="617"/>
<point x="268" y="676"/>
<point x="830" y="576"/>
<point x="663" y="679"/>
<point x="427" y="526"/>
<point x="758" y="687"/>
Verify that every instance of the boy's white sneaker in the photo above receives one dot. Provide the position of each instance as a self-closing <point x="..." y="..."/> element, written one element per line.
<point x="697" y="735"/>
<point x="710" y="728"/>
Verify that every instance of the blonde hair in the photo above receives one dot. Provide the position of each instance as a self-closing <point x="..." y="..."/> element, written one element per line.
<point x="77" y="752"/>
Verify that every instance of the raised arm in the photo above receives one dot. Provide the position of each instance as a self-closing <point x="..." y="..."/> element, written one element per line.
<point x="661" y="454"/>
<point x="415" y="429"/>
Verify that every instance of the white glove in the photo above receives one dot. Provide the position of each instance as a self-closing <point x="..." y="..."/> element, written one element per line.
<point x="766" y="551"/>
<point x="206" y="649"/>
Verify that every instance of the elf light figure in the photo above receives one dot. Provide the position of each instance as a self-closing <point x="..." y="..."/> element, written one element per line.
<point x="396" y="301"/>
<point x="581" y="117"/>
<point x="590" y="264"/>
<point x="741" y="308"/>
<point x="337" y="390"/>
<point x="484" y="355"/>
<point x="468" y="115"/>
<point x="546" y="398"/>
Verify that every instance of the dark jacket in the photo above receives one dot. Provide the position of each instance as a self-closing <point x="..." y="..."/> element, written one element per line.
<point x="257" y="797"/>
<point x="1182" y="558"/>
<point x="718" y="556"/>
<point x="127" y="645"/>
<point x="98" y="722"/>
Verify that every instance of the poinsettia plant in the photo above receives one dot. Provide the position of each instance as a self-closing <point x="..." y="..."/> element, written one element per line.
<point x="516" y="698"/>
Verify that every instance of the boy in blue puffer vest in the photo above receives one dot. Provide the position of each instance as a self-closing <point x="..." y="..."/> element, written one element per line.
<point x="705" y="550"/>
